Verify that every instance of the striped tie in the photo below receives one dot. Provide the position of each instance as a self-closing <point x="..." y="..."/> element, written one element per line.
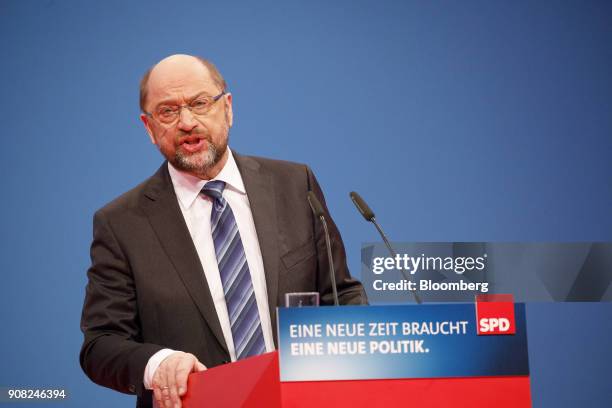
<point x="235" y="275"/>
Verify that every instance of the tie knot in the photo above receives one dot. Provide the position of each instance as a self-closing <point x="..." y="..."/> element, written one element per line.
<point x="214" y="189"/>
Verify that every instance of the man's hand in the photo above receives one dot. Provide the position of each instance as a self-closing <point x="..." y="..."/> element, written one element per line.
<point x="170" y="378"/>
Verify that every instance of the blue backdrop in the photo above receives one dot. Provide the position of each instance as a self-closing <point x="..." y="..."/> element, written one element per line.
<point x="457" y="121"/>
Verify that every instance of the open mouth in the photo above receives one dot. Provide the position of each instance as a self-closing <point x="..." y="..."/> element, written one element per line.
<point x="192" y="144"/>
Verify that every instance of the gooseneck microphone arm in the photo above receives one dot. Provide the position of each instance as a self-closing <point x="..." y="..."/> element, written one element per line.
<point x="319" y="213"/>
<point x="368" y="215"/>
<point x="384" y="237"/>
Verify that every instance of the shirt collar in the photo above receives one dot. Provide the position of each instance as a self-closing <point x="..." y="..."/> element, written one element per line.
<point x="187" y="187"/>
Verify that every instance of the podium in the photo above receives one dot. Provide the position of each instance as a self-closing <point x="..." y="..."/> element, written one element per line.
<point x="254" y="382"/>
<point x="270" y="380"/>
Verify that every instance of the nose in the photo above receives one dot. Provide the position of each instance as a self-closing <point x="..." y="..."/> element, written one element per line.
<point x="186" y="120"/>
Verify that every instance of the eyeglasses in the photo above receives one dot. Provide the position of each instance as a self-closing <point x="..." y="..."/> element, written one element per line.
<point x="200" y="106"/>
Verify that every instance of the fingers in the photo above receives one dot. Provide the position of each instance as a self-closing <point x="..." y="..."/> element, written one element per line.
<point x="161" y="390"/>
<point x="170" y="378"/>
<point x="182" y="380"/>
<point x="182" y="372"/>
<point x="157" y="394"/>
<point x="175" y="400"/>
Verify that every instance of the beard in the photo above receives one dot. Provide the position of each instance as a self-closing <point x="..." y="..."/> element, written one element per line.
<point x="200" y="162"/>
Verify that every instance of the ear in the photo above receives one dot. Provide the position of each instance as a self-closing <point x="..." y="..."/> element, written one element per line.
<point x="230" y="112"/>
<point x="145" y="120"/>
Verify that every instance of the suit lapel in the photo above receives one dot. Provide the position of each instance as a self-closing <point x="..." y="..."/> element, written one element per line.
<point x="165" y="216"/>
<point x="259" y="185"/>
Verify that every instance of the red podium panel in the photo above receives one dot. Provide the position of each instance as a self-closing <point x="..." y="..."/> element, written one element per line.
<point x="254" y="382"/>
<point x="510" y="392"/>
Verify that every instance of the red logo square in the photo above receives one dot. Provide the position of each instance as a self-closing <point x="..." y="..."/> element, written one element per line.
<point x="495" y="314"/>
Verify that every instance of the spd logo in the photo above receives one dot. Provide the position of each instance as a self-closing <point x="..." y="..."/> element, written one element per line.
<point x="495" y="314"/>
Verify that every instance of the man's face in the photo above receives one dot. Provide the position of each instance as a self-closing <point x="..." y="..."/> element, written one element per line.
<point x="196" y="144"/>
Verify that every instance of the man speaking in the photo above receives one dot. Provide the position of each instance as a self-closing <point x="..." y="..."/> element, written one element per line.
<point x="189" y="266"/>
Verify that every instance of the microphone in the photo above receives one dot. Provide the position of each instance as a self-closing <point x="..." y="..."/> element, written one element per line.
<point x="369" y="216"/>
<point x="317" y="209"/>
<point x="362" y="207"/>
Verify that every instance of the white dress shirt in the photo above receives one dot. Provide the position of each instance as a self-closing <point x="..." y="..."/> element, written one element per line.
<point x="196" y="209"/>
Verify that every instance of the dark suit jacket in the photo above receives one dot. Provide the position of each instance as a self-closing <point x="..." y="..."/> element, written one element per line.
<point x="147" y="289"/>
